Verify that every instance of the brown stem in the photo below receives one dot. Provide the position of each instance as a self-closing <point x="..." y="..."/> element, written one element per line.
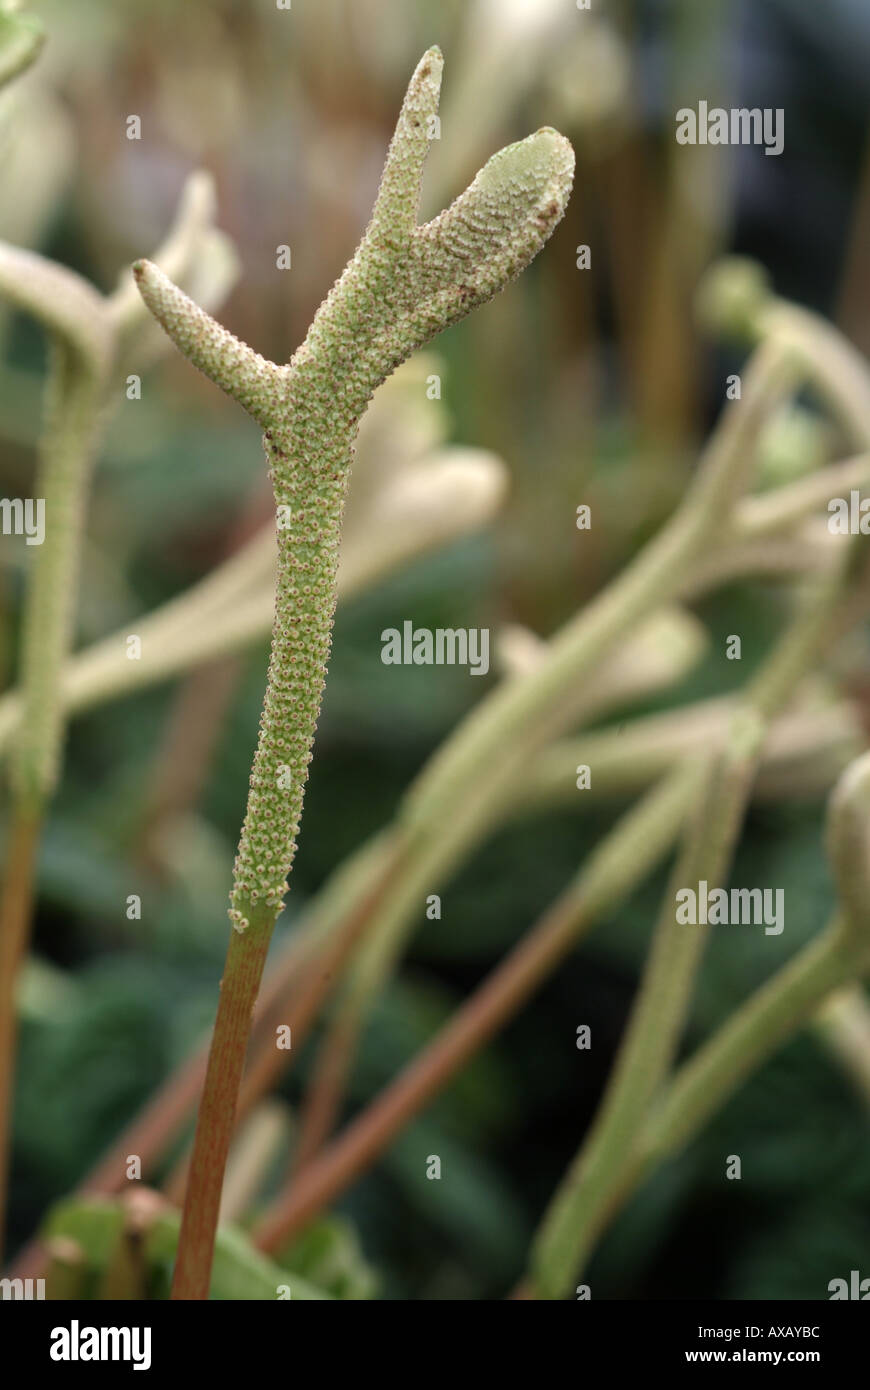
<point x="16" y="910"/>
<point x="155" y="1127"/>
<point x="246" y="957"/>
<point x="319" y="977"/>
<point x="314" y="951"/>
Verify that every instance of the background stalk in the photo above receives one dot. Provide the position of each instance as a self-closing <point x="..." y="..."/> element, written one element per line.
<point x="88" y="335"/>
<point x="590" y="1189"/>
<point x="76" y="386"/>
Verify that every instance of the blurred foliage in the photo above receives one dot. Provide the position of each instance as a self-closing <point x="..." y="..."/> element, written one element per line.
<point x="592" y="386"/>
<point x="97" y="1229"/>
<point x="328" y="1255"/>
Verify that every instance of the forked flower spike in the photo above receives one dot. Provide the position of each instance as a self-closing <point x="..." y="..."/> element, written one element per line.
<point x="404" y="284"/>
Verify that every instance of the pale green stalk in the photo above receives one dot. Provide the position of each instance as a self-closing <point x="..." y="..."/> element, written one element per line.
<point x="89" y="335"/>
<point x="573" y="1215"/>
<point x="804" y="752"/>
<point x="735" y="296"/>
<point x="820" y="973"/>
<point x="584" y="1200"/>
<point x="843" y="1025"/>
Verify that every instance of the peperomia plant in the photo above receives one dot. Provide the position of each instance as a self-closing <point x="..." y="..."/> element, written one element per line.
<point x="693" y="767"/>
<point x="404" y="284"/>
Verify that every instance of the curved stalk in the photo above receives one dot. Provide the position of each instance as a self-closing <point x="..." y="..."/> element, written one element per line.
<point x="87" y="338"/>
<point x="585" y="1198"/>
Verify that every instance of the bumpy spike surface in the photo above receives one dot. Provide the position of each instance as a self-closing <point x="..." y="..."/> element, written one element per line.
<point x="403" y="285"/>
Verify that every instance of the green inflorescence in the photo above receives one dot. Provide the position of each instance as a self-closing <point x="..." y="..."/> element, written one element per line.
<point x="404" y="284"/>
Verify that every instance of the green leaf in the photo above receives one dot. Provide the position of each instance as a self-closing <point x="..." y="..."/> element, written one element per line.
<point x="239" y="1271"/>
<point x="329" y="1254"/>
<point x="94" y="1223"/>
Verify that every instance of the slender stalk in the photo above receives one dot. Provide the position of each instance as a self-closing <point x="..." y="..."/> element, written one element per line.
<point x="653" y="1033"/>
<point x="246" y="957"/>
<point x="317" y="974"/>
<point x="88" y="334"/>
<point x="260" y="1141"/>
<point x="14" y="934"/>
<point x="76" y="383"/>
<point x="62" y="485"/>
<point x="805" y="750"/>
<point x="839" y="372"/>
<point x="843" y="1024"/>
<point x="586" y="1195"/>
<point x="819" y="972"/>
<point x="757" y="1029"/>
<point x="325" y="1093"/>
<point x="704" y="1084"/>
<point x="779" y="510"/>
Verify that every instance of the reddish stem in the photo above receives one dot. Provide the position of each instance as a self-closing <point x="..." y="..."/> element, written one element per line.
<point x="16" y="910"/>
<point x="246" y="957"/>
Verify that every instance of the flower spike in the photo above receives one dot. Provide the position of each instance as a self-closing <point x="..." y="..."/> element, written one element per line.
<point x="402" y="286"/>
